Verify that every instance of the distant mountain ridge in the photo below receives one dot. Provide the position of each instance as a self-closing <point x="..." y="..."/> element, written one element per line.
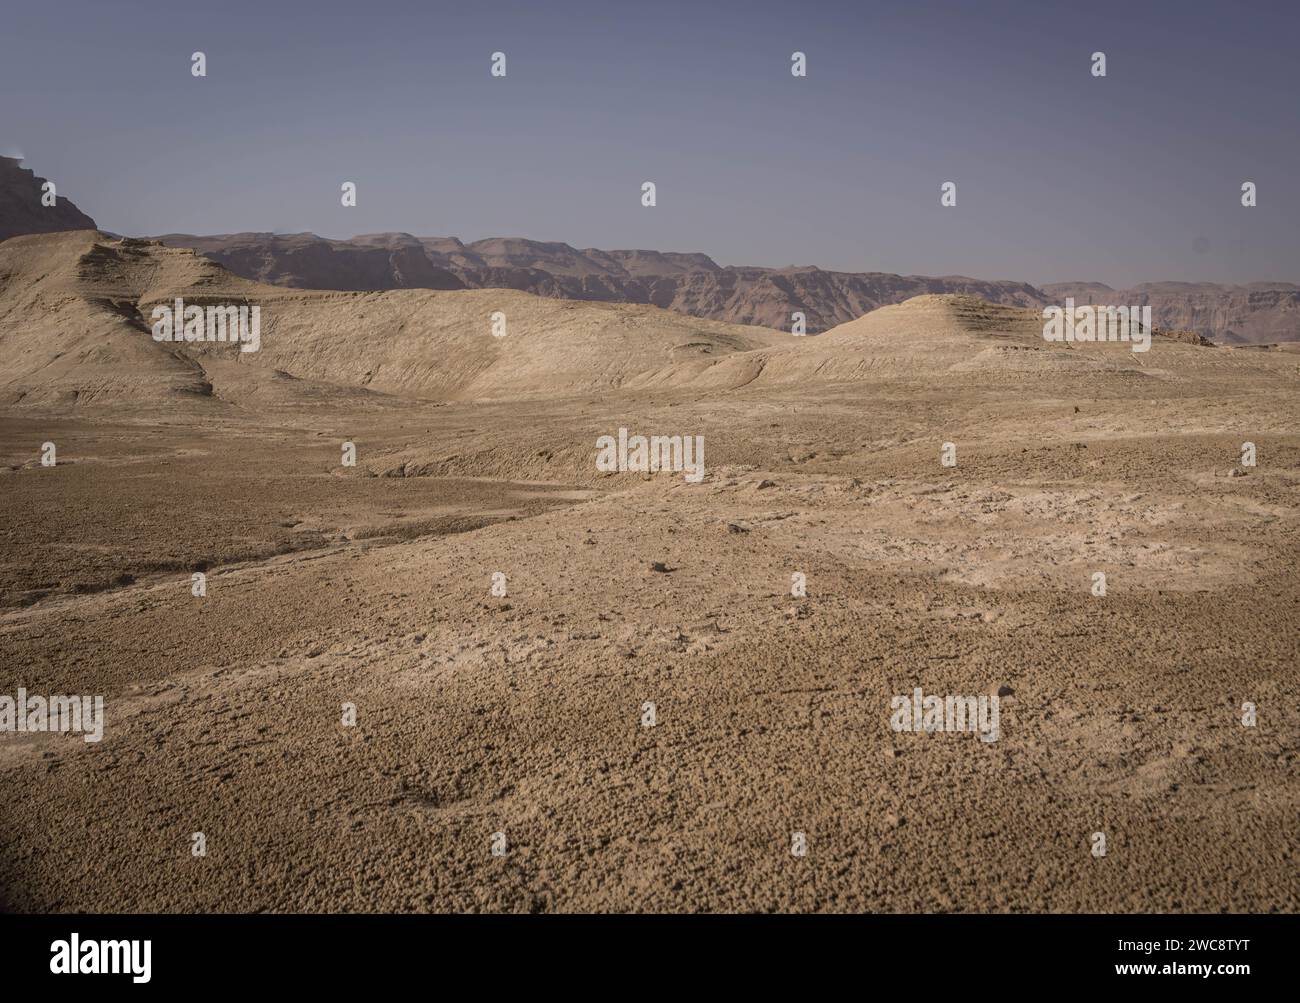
<point x="695" y="284"/>
<point x="689" y="283"/>
<point x="1257" y="313"/>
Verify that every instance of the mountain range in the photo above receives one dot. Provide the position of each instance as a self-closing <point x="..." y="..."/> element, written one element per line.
<point x="78" y="309"/>
<point x="686" y="283"/>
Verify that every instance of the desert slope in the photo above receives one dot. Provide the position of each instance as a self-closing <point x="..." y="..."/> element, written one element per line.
<point x="70" y="332"/>
<point x="76" y="315"/>
<point x="931" y="340"/>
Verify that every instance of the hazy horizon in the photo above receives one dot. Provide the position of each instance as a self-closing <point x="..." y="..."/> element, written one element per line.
<point x="1062" y="176"/>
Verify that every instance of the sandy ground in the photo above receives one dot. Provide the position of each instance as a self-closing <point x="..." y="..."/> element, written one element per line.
<point x="768" y="776"/>
<point x="524" y="714"/>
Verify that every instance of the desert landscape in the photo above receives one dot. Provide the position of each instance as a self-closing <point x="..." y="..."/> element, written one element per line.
<point x="521" y="717"/>
<point x="688" y="459"/>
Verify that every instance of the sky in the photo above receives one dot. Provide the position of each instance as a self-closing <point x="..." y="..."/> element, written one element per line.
<point x="1061" y="175"/>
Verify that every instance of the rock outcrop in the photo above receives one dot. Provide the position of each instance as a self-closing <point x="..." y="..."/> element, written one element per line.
<point x="21" y="208"/>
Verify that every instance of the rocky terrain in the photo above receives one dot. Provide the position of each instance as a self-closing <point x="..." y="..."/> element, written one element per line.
<point x="613" y="678"/>
<point x="21" y="210"/>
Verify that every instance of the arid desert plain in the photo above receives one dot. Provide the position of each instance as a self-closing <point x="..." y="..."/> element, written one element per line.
<point x="475" y="672"/>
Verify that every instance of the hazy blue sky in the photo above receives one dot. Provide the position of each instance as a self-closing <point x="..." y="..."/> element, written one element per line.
<point x="1134" y="177"/>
